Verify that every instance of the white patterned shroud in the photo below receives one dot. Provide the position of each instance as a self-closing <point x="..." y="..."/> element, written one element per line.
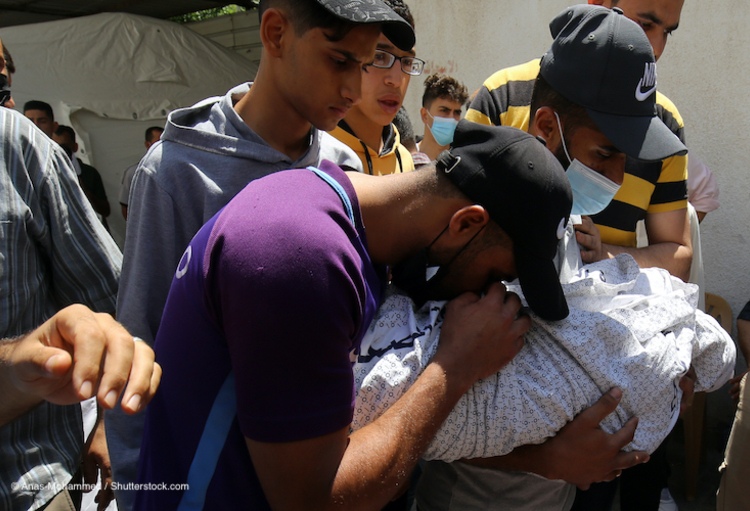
<point x="630" y="328"/>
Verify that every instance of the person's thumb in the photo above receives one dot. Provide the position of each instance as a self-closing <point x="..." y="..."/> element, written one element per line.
<point x="45" y="362"/>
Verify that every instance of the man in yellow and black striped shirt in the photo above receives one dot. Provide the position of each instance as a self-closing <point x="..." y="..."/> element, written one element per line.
<point x="652" y="190"/>
<point x="592" y="100"/>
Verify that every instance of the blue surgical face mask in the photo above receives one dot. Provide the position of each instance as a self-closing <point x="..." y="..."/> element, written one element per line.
<point x="443" y="129"/>
<point x="592" y="192"/>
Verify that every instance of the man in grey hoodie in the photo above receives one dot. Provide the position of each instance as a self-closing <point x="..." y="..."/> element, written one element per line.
<point x="309" y="77"/>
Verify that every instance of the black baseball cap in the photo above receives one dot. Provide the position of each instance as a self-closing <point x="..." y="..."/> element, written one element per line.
<point x="395" y="28"/>
<point x="603" y="61"/>
<point x="526" y="192"/>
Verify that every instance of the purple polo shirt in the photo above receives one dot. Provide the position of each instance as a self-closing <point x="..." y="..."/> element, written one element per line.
<point x="268" y="303"/>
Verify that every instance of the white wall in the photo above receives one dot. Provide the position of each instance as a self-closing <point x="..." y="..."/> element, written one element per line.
<point x="471" y="39"/>
<point x="705" y="70"/>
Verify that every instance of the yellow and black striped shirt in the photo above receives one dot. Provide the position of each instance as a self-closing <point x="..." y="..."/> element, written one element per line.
<point x="655" y="187"/>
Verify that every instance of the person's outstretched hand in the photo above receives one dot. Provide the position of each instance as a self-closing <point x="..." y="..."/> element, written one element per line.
<point x="75" y="355"/>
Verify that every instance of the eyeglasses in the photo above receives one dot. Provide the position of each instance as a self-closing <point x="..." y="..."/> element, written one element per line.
<point x="409" y="65"/>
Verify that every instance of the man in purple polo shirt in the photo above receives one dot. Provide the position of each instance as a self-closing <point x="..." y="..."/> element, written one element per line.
<point x="273" y="295"/>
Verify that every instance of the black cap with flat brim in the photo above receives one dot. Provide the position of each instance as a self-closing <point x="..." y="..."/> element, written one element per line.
<point x="526" y="192"/>
<point x="644" y="138"/>
<point x="603" y="61"/>
<point x="394" y="27"/>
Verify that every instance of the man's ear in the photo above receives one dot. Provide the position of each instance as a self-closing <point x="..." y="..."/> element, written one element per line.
<point x="423" y="114"/>
<point x="273" y="26"/>
<point x="545" y="125"/>
<point x="466" y="222"/>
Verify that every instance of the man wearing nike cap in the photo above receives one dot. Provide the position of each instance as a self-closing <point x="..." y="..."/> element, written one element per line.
<point x="644" y="488"/>
<point x="590" y="98"/>
<point x="617" y="127"/>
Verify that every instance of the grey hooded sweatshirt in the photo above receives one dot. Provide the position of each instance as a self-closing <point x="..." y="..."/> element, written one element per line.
<point x="206" y="155"/>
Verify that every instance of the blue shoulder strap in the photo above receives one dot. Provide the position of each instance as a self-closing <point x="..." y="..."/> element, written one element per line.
<point x="339" y="190"/>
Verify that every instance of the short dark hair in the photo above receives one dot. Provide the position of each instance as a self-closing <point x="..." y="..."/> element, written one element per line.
<point x="494" y="236"/>
<point x="441" y="86"/>
<point x="401" y="9"/>
<point x="572" y="115"/>
<point x="39" y="105"/>
<point x="405" y="129"/>
<point x="63" y="130"/>
<point x="9" y="65"/>
<point x="150" y="132"/>
<point x="308" y="14"/>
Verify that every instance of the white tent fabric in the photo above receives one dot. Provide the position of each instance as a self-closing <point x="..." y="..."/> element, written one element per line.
<point x="112" y="75"/>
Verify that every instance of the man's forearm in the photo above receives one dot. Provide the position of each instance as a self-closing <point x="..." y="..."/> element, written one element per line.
<point x="743" y="338"/>
<point x="526" y="458"/>
<point x="366" y="469"/>
<point x="672" y="256"/>
<point x="581" y="453"/>
<point x="479" y="336"/>
<point x="381" y="456"/>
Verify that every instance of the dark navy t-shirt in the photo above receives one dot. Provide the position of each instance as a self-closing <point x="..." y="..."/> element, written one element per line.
<point x="268" y="304"/>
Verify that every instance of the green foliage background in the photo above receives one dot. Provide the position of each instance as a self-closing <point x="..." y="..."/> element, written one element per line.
<point x="209" y="13"/>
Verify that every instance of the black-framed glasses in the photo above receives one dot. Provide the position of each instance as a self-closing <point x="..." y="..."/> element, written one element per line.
<point x="409" y="65"/>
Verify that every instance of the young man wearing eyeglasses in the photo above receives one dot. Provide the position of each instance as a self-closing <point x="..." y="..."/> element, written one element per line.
<point x="368" y="127"/>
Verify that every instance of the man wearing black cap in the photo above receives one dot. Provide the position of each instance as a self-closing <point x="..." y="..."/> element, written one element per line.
<point x="309" y="77"/>
<point x="646" y="487"/>
<point x="592" y="100"/>
<point x="275" y="292"/>
<point x="618" y="103"/>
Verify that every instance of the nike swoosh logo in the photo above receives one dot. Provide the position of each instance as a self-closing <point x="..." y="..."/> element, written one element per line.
<point x="455" y="163"/>
<point x="642" y="96"/>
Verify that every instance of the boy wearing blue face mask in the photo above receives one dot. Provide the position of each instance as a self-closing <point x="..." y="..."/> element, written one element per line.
<point x="443" y="98"/>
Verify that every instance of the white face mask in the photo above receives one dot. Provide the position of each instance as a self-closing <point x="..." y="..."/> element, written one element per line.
<point x="592" y="192"/>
